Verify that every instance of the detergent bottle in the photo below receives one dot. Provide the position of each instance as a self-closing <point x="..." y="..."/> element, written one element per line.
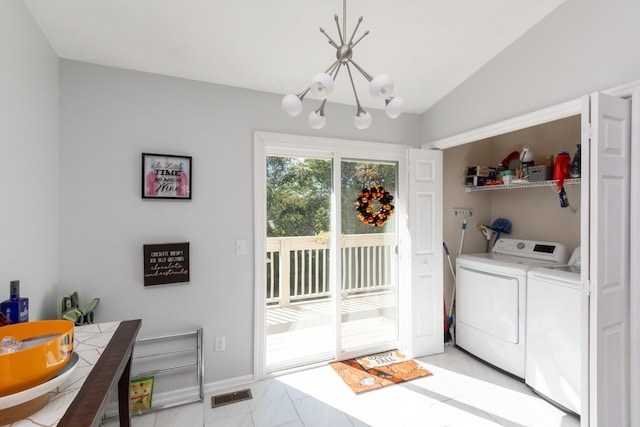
<point x="561" y="168"/>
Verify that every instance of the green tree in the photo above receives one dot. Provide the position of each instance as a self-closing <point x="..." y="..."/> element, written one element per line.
<point x="299" y="194"/>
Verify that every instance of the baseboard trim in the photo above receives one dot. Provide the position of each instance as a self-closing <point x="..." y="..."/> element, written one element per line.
<point x="228" y="384"/>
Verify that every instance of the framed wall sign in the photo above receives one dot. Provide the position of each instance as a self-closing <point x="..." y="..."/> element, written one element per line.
<point x="166" y="263"/>
<point x="165" y="176"/>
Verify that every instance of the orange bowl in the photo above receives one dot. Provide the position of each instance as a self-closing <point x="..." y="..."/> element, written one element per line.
<point x="47" y="346"/>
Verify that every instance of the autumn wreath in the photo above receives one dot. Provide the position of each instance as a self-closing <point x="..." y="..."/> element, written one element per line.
<point x="365" y="210"/>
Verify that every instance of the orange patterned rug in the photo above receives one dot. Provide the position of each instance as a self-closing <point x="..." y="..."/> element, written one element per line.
<point x="378" y="370"/>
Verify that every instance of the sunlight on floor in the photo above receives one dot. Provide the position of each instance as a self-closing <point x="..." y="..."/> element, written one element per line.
<point x="461" y="392"/>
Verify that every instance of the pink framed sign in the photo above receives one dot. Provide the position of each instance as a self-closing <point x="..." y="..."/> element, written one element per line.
<point x="165" y="176"/>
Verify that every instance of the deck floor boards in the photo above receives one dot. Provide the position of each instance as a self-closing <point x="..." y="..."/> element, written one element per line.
<point x="297" y="332"/>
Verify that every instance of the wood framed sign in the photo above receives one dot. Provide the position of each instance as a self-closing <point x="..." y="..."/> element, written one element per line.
<point x="166" y="263"/>
<point x="165" y="176"/>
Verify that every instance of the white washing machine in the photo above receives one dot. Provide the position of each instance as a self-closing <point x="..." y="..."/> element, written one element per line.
<point x="491" y="300"/>
<point x="553" y="359"/>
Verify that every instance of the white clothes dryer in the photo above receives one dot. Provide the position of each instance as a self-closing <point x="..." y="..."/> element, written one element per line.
<point x="553" y="355"/>
<point x="491" y="300"/>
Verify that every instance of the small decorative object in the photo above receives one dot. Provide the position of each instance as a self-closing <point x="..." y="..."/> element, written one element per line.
<point x="564" y="200"/>
<point x="16" y="308"/>
<point x="508" y="176"/>
<point x="165" y="176"/>
<point x="70" y="309"/>
<point x="576" y="163"/>
<point x="501" y="225"/>
<point x="141" y="393"/>
<point x="9" y="345"/>
<point x="166" y="263"/>
<point x="526" y="161"/>
<point x="561" y="168"/>
<point x="365" y="210"/>
<point x="511" y="161"/>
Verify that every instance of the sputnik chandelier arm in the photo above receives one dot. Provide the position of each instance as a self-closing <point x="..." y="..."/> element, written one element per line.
<point x="322" y="84"/>
<point x="363" y="119"/>
<point x="316" y="118"/>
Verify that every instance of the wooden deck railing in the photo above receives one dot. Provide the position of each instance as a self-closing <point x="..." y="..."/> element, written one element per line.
<point x="298" y="267"/>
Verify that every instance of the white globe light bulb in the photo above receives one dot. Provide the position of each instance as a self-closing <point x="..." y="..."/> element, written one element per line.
<point x="292" y="105"/>
<point x="321" y="85"/>
<point x="316" y="121"/>
<point x="381" y="86"/>
<point x="362" y="120"/>
<point x="395" y="107"/>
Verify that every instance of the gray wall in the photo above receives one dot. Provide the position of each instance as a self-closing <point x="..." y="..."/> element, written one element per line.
<point x="108" y="117"/>
<point x="581" y="47"/>
<point x="29" y="153"/>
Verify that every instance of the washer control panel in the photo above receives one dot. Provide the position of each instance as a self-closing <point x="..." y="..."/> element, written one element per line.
<point x="547" y="251"/>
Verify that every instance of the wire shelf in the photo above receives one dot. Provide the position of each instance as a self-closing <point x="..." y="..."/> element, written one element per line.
<point x="515" y="185"/>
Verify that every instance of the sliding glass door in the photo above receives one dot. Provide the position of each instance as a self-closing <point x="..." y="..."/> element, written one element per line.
<point x="299" y="318"/>
<point x="369" y="261"/>
<point x="331" y="263"/>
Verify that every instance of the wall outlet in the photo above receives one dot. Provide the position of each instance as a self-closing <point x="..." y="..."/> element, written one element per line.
<point x="462" y="212"/>
<point x="220" y="344"/>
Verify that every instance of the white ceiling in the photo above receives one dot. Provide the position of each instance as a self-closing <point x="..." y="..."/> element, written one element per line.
<point x="428" y="47"/>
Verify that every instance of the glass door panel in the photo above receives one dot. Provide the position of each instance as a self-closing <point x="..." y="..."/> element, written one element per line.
<point x="369" y="261"/>
<point x="303" y="323"/>
<point x="299" y="313"/>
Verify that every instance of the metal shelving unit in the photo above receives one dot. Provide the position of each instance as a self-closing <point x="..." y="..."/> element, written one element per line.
<point x="194" y="361"/>
<point x="513" y="186"/>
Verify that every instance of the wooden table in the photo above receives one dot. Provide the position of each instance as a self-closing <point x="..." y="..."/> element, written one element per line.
<point x="114" y="366"/>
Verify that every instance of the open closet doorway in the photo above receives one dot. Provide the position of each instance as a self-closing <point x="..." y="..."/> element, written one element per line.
<point x="610" y="134"/>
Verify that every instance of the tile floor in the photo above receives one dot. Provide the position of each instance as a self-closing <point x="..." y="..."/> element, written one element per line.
<point x="461" y="392"/>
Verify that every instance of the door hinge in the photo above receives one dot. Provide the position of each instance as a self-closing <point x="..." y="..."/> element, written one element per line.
<point x="587" y="131"/>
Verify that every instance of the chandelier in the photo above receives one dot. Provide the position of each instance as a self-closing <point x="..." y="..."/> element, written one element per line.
<point x="322" y="84"/>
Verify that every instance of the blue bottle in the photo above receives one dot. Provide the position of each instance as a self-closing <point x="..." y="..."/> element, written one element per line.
<point x="15" y="309"/>
<point x="564" y="200"/>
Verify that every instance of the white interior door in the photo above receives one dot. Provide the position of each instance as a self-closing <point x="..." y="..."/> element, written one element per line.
<point x="634" y="254"/>
<point x="425" y="231"/>
<point x="607" y="188"/>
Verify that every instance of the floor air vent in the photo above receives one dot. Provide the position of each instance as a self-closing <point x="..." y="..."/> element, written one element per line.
<point x="225" y="399"/>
